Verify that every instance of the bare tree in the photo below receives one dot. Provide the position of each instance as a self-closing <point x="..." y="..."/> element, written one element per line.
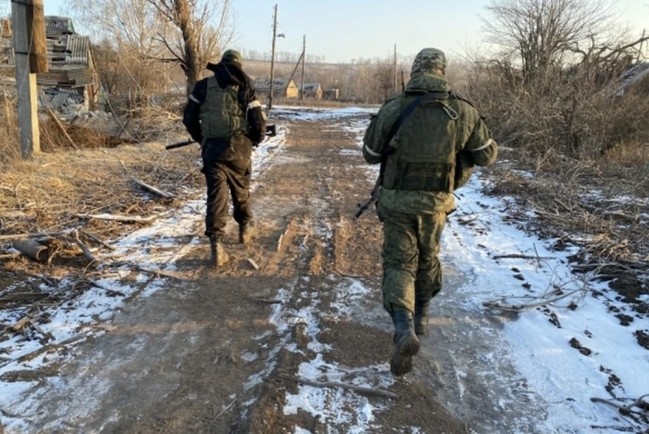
<point x="193" y="41"/>
<point x="539" y="33"/>
<point x="146" y="34"/>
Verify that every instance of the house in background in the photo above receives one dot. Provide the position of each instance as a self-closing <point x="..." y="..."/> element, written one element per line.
<point x="312" y="90"/>
<point x="281" y="88"/>
<point x="71" y="77"/>
<point x="636" y="79"/>
<point x="332" y="94"/>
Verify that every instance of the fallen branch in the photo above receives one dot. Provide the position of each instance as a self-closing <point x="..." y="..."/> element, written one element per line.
<point x="46" y="348"/>
<point x="627" y="410"/>
<point x="265" y="300"/>
<point x="23" y="296"/>
<point x="519" y="256"/>
<point x="30" y="235"/>
<point x="152" y="189"/>
<point x="227" y="407"/>
<point x="96" y="239"/>
<point x="368" y="391"/>
<point x="159" y="273"/>
<point x="118" y="218"/>
<point x="522" y="307"/>
<point x="146" y="186"/>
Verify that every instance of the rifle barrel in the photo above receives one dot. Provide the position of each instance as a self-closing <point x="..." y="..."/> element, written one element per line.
<point x="179" y="144"/>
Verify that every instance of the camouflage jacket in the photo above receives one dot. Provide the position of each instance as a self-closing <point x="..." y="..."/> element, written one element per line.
<point x="473" y="138"/>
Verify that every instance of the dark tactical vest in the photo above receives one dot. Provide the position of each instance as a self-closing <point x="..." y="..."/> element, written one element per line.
<point x="424" y="156"/>
<point x="221" y="115"/>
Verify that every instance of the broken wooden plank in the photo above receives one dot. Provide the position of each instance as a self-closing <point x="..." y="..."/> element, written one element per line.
<point x="61" y="128"/>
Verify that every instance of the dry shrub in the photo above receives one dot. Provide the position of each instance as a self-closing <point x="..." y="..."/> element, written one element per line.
<point x="9" y="132"/>
<point x="574" y="113"/>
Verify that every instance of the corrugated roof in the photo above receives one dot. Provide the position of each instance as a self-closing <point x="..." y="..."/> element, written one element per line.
<point x="77" y="48"/>
<point x="55" y="26"/>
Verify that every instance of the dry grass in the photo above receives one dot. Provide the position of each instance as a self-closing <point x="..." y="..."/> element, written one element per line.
<point x="44" y="194"/>
<point x="9" y="134"/>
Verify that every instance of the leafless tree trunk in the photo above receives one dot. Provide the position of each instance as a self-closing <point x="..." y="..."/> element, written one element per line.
<point x="540" y="32"/>
<point x="147" y="34"/>
<point x="198" y="42"/>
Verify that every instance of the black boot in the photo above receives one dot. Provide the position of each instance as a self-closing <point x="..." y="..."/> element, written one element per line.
<point x="218" y="256"/>
<point x="406" y="343"/>
<point x="421" y="316"/>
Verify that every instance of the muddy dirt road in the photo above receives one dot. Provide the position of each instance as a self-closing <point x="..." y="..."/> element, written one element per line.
<point x="224" y="351"/>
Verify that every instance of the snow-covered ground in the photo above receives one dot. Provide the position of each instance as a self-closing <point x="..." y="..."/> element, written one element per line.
<point x="565" y="342"/>
<point x="567" y="350"/>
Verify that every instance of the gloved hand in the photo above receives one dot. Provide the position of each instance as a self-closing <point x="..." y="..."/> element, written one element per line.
<point x="463" y="169"/>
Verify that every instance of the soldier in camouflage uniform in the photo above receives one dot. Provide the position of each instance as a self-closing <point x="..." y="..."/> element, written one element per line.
<point x="420" y="170"/>
<point x="224" y="115"/>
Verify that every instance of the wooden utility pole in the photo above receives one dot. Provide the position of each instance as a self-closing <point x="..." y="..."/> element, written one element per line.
<point x="272" y="61"/>
<point x="30" y="51"/>
<point x="396" y="81"/>
<point x="303" y="57"/>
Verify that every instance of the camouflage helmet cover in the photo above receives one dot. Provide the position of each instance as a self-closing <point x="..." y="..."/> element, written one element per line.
<point x="232" y="56"/>
<point x="428" y="60"/>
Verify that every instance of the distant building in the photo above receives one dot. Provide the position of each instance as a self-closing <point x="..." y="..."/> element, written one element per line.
<point x="332" y="94"/>
<point x="312" y="90"/>
<point x="281" y="88"/>
<point x="71" y="67"/>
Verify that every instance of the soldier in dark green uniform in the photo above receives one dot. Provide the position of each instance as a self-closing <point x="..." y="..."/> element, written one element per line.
<point x="224" y="115"/>
<point x="420" y="137"/>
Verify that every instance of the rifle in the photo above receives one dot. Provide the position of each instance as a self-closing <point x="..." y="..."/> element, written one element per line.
<point x="271" y="131"/>
<point x="374" y="195"/>
<point x="180" y="144"/>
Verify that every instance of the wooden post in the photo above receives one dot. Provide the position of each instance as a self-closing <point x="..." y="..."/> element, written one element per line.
<point x="272" y="61"/>
<point x="29" y="41"/>
<point x="36" y="29"/>
<point x="396" y="83"/>
<point x="303" y="58"/>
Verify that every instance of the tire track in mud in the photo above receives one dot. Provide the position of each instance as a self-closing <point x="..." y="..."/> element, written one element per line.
<point x="317" y="247"/>
<point x="302" y="254"/>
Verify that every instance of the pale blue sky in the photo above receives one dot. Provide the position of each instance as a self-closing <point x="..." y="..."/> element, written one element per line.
<point x="341" y="30"/>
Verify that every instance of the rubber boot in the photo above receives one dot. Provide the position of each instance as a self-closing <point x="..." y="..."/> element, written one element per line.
<point x="421" y="317"/>
<point x="246" y="233"/>
<point x="406" y="344"/>
<point x="218" y="256"/>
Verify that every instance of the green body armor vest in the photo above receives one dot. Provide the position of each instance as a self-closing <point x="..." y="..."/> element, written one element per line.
<point x="424" y="156"/>
<point x="221" y="115"/>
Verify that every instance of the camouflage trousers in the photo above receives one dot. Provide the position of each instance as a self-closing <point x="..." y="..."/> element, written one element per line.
<point x="411" y="267"/>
